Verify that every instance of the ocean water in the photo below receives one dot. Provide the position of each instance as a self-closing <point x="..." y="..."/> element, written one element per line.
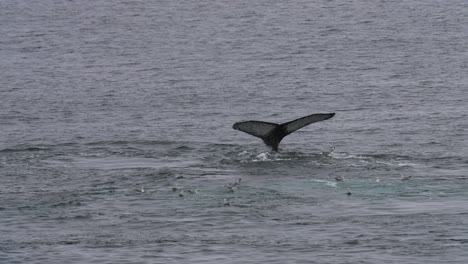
<point x="116" y="139"/>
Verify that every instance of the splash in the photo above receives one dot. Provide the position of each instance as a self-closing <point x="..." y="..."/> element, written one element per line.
<point x="265" y="156"/>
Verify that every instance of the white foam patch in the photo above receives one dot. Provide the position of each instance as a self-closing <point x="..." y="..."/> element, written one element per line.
<point x="406" y="164"/>
<point x="247" y="157"/>
<point x="338" y="155"/>
<point x="263" y="157"/>
<point x="328" y="183"/>
<point x="363" y="160"/>
<point x="269" y="156"/>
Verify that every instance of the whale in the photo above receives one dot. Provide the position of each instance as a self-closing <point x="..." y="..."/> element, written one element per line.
<point x="272" y="133"/>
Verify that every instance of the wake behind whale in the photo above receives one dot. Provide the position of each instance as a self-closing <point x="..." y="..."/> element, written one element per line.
<point x="272" y="133"/>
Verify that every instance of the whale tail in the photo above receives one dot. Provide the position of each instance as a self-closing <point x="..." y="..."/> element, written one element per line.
<point x="272" y="133"/>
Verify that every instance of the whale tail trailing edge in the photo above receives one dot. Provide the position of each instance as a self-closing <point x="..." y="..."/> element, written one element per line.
<point x="272" y="133"/>
<point x="304" y="121"/>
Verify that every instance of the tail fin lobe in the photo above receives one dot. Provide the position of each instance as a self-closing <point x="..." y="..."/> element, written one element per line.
<point x="256" y="128"/>
<point x="299" y="123"/>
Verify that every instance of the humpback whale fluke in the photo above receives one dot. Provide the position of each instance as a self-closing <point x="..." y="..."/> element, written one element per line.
<point x="272" y="133"/>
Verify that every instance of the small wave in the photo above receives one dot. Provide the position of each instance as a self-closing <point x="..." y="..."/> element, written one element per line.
<point x="183" y="148"/>
<point x="20" y="149"/>
<point x="110" y="163"/>
<point x="67" y="204"/>
<point x="132" y="142"/>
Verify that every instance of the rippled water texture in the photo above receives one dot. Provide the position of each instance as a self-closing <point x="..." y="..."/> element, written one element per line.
<point x="116" y="139"/>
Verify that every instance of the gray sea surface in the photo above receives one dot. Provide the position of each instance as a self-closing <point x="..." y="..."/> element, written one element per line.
<point x="116" y="139"/>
